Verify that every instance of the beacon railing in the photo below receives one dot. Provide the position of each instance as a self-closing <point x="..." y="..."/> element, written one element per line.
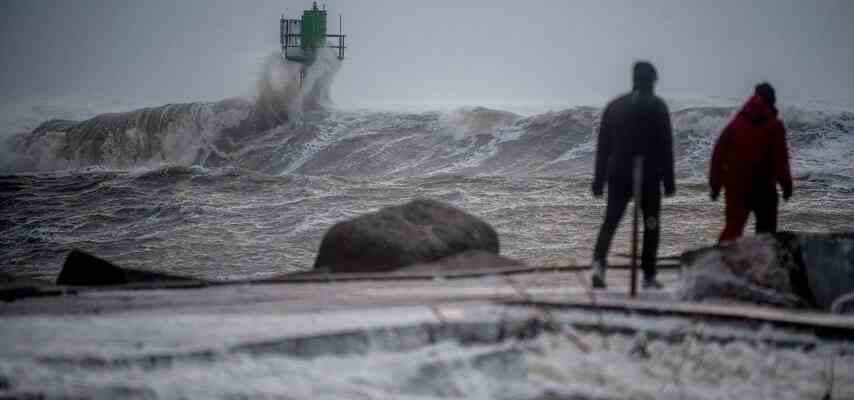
<point x="291" y="40"/>
<point x="292" y="45"/>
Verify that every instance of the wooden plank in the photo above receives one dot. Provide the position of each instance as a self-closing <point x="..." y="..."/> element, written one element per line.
<point x="404" y="274"/>
<point x="836" y="325"/>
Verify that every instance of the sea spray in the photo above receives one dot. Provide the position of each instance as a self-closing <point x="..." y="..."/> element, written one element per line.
<point x="200" y="133"/>
<point x="282" y="94"/>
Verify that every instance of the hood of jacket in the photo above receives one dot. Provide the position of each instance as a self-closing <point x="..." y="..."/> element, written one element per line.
<point x="757" y="111"/>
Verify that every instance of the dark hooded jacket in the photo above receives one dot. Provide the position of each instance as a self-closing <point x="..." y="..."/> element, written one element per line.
<point x="751" y="154"/>
<point x="635" y="124"/>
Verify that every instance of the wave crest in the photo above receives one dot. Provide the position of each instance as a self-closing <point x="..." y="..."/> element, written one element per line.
<point x="288" y="131"/>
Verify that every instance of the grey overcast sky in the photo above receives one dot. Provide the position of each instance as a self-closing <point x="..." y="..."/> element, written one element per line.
<point x="437" y="51"/>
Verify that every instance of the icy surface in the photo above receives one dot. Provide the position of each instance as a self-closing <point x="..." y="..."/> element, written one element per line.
<point x="152" y="355"/>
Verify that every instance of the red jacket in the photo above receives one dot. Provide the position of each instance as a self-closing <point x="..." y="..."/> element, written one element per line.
<point x="751" y="152"/>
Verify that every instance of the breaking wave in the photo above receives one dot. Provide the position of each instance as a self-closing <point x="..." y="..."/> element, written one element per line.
<point x="288" y="129"/>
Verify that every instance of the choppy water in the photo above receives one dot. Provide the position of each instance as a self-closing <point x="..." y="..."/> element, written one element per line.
<point x="233" y="224"/>
<point x="227" y="190"/>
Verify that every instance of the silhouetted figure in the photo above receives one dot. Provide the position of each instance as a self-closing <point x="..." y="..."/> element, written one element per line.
<point x="749" y="160"/>
<point x="635" y="125"/>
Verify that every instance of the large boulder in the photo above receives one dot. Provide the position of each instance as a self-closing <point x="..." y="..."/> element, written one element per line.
<point x="753" y="269"/>
<point x="83" y="269"/>
<point x="420" y="231"/>
<point x="785" y="269"/>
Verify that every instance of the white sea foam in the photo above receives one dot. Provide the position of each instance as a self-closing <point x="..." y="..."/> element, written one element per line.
<point x="56" y="359"/>
<point x="382" y="143"/>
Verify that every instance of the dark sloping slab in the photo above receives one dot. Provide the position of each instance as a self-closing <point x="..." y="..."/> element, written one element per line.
<point x="829" y="262"/>
<point x="83" y="269"/>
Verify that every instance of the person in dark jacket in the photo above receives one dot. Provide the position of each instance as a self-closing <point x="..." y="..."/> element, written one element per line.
<point x="634" y="126"/>
<point x="750" y="158"/>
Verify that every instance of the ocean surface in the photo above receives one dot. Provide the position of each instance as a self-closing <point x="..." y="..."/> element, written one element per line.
<point x="240" y="189"/>
<point x="245" y="188"/>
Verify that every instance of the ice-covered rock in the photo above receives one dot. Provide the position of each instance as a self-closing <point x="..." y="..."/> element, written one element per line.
<point x="753" y="269"/>
<point x="418" y="232"/>
<point x="786" y="269"/>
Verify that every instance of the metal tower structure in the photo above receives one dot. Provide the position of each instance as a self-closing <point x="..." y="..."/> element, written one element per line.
<point x="301" y="38"/>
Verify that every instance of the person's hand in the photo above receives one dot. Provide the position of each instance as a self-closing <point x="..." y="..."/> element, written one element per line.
<point x="714" y="194"/>
<point x="787" y="194"/>
<point x="598" y="191"/>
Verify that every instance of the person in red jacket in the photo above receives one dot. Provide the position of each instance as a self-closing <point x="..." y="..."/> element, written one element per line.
<point x="749" y="160"/>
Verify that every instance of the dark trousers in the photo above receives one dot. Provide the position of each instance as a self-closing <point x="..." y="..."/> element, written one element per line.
<point x="619" y="195"/>
<point x="762" y="203"/>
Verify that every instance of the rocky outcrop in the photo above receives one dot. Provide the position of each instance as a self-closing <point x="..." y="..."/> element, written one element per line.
<point x="83" y="269"/>
<point x="786" y="269"/>
<point x="420" y="231"/>
<point x="753" y="269"/>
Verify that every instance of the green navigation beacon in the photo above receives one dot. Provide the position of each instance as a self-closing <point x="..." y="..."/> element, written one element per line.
<point x="301" y="38"/>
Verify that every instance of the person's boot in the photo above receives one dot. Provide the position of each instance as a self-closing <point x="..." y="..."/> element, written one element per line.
<point x="650" y="283"/>
<point x="598" y="275"/>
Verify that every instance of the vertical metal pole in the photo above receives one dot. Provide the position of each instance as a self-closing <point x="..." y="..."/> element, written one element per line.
<point x="637" y="180"/>
<point x="282" y="38"/>
<point x="340" y="39"/>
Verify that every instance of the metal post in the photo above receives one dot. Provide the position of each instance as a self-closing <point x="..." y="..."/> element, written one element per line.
<point x="340" y="39"/>
<point x="282" y="38"/>
<point x="637" y="180"/>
